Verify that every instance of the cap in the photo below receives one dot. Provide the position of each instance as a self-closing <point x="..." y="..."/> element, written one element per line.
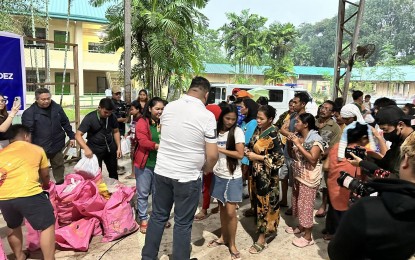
<point x="116" y="90"/>
<point x="243" y="93"/>
<point x="390" y="115"/>
<point x="215" y="109"/>
<point x="235" y="91"/>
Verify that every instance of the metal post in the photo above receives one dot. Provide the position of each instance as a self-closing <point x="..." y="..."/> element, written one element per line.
<point x="340" y="61"/>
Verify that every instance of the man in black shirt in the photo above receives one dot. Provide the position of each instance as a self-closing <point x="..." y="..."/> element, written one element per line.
<point x="103" y="136"/>
<point x="120" y="110"/>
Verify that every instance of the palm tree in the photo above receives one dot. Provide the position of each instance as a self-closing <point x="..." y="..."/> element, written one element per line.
<point x="163" y="40"/>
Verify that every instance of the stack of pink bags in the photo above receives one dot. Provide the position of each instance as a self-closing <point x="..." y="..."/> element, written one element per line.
<point x="82" y="212"/>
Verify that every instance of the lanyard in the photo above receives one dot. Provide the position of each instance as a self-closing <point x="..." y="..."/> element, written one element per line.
<point x="99" y="120"/>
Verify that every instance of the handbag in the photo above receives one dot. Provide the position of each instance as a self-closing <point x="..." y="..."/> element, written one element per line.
<point x="306" y="173"/>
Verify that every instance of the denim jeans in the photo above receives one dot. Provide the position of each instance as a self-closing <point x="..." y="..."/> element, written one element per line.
<point x="144" y="181"/>
<point x="185" y="196"/>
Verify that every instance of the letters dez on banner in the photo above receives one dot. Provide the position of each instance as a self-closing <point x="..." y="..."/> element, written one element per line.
<point x="12" y="68"/>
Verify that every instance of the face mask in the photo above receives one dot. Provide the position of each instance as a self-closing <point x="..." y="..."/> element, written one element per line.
<point x="392" y="137"/>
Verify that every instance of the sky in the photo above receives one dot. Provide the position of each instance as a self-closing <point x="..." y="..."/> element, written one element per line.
<point x="294" y="11"/>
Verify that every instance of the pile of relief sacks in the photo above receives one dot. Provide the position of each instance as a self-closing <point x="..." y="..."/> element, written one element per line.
<point x="85" y="208"/>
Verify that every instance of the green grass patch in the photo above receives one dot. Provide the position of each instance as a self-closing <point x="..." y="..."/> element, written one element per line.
<point x="70" y="112"/>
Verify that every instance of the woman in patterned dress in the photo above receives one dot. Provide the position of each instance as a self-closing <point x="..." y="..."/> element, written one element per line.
<point x="306" y="152"/>
<point x="265" y="153"/>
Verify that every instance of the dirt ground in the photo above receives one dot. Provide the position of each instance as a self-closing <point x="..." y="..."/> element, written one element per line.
<point x="280" y="246"/>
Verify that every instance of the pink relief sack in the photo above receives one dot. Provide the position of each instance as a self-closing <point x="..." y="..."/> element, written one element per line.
<point x="2" y="253"/>
<point x="66" y="194"/>
<point x="90" y="203"/>
<point x="117" y="218"/>
<point x="78" y="234"/>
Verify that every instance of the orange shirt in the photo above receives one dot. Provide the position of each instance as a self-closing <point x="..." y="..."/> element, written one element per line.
<point x="339" y="196"/>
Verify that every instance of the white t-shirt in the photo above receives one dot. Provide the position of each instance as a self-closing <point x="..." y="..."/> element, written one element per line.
<point x="186" y="125"/>
<point x="221" y="167"/>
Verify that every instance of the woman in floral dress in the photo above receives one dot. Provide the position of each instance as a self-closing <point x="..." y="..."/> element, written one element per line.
<point x="265" y="153"/>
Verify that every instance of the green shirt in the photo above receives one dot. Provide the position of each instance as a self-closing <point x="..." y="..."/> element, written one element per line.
<point x="155" y="137"/>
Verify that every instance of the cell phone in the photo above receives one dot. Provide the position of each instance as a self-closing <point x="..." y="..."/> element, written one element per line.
<point x="17" y="101"/>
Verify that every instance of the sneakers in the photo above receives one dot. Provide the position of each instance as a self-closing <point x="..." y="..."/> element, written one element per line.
<point x="302" y="242"/>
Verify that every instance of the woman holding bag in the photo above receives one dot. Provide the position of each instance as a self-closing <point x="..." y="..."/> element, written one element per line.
<point x="265" y="153"/>
<point x="306" y="152"/>
<point x="147" y="134"/>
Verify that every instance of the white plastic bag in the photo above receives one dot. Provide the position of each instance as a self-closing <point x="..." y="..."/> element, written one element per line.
<point x="88" y="167"/>
<point x="125" y="145"/>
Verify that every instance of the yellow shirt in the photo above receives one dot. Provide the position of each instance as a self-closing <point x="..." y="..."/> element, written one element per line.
<point x="20" y="162"/>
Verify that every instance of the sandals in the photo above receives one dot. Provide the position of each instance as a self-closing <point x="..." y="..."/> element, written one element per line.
<point x="130" y="177"/>
<point x="200" y="216"/>
<point x="168" y="225"/>
<point x="236" y="255"/>
<point x="302" y="242"/>
<point x="320" y="215"/>
<point x="257" y="248"/>
<point x="143" y="228"/>
<point x="214" y="243"/>
<point x="291" y="230"/>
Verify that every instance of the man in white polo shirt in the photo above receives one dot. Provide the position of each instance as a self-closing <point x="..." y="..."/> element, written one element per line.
<point x="187" y="149"/>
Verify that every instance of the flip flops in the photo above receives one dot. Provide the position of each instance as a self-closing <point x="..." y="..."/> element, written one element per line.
<point x="214" y="243"/>
<point x="291" y="230"/>
<point x="235" y="256"/>
<point x="143" y="228"/>
<point x="302" y="242"/>
<point x="200" y="216"/>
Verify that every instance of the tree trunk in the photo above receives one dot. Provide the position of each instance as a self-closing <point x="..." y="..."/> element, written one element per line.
<point x="47" y="49"/>
<point x="66" y="50"/>
<point x="127" y="50"/>
<point x="34" y="43"/>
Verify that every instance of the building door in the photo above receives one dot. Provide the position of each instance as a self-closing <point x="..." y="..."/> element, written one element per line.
<point x="101" y="84"/>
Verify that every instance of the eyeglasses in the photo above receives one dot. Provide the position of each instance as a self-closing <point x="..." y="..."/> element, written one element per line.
<point x="118" y="93"/>
<point x="3" y="101"/>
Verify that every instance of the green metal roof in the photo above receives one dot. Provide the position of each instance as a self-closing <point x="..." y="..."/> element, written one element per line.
<point x="212" y="68"/>
<point x="81" y="10"/>
<point x="396" y="73"/>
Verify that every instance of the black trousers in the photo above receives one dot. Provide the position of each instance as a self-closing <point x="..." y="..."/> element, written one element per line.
<point x="110" y="160"/>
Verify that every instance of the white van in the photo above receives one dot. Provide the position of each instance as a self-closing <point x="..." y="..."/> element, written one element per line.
<point x="279" y="96"/>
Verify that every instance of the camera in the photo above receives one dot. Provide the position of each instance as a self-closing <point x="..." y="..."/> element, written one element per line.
<point x="232" y="98"/>
<point x="358" y="151"/>
<point x="354" y="185"/>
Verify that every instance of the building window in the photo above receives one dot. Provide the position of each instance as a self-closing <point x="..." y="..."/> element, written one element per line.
<point x="66" y="87"/>
<point x="31" y="78"/>
<point x="39" y="33"/>
<point x="96" y="47"/>
<point x="276" y="95"/>
<point x="101" y="84"/>
<point x="59" y="36"/>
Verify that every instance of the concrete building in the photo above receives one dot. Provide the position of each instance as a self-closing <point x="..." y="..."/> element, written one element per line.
<point x="86" y="29"/>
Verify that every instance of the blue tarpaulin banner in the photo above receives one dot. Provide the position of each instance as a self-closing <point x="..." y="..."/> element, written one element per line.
<point x="12" y="68"/>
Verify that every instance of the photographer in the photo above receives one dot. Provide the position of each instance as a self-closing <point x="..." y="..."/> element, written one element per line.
<point x="396" y="128"/>
<point x="355" y="136"/>
<point x="381" y="227"/>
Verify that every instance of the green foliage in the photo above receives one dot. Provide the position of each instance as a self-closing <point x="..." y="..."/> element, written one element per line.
<point x="163" y="41"/>
<point x="383" y="21"/>
<point x="209" y="47"/>
<point x="301" y="55"/>
<point x="10" y="18"/>
<point x="243" y="38"/>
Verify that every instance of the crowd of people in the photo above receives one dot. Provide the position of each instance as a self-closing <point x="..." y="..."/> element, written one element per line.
<point x="229" y="152"/>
